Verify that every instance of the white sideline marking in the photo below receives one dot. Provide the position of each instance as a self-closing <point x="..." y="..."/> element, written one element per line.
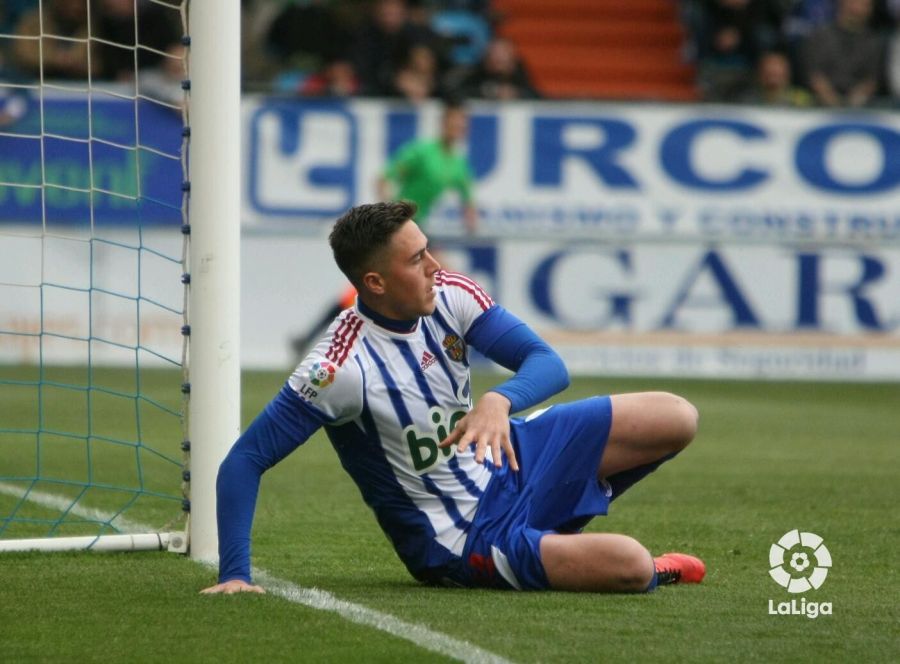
<point x="417" y="634"/>
<point x="314" y="598"/>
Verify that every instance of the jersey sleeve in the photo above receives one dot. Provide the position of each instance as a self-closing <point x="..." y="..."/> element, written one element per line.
<point x="464" y="298"/>
<point x="330" y="384"/>
<point x="539" y="371"/>
<point x="286" y="423"/>
<point x="325" y="389"/>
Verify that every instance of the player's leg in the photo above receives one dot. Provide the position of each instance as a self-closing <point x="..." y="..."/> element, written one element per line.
<point x="608" y="562"/>
<point x="646" y="427"/>
<point x="596" y="562"/>
<point x="560" y="450"/>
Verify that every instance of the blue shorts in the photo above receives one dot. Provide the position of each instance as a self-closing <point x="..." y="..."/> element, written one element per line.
<point x="556" y="490"/>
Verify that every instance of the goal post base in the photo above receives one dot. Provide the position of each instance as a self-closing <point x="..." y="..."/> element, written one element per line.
<point x="174" y="542"/>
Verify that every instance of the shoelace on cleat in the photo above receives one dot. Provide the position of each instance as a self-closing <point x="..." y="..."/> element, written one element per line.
<point x="667" y="576"/>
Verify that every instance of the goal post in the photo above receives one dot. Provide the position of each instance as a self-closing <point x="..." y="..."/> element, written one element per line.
<point x="214" y="303"/>
<point x="119" y="334"/>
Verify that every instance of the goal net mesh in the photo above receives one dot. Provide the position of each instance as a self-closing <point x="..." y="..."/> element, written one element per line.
<point x="93" y="239"/>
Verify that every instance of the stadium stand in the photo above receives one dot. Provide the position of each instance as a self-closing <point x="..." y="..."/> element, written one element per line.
<point x="601" y="49"/>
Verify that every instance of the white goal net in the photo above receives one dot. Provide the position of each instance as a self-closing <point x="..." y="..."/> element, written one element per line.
<point x="94" y="239"/>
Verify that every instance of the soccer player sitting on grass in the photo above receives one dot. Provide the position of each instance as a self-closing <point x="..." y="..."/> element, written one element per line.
<point x="466" y="495"/>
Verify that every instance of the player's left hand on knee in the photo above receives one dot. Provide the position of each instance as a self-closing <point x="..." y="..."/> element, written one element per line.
<point x="486" y="425"/>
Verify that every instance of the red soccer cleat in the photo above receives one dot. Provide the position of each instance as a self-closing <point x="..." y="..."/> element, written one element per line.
<point x="678" y="568"/>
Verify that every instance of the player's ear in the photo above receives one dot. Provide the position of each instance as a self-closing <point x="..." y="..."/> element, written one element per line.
<point x="373" y="282"/>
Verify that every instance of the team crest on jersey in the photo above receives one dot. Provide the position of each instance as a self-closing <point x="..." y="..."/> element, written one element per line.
<point x="321" y="374"/>
<point x="454" y="347"/>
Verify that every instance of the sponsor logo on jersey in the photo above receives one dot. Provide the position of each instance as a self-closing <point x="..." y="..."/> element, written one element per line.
<point x="427" y="360"/>
<point x="321" y="374"/>
<point x="423" y="445"/>
<point x="454" y="347"/>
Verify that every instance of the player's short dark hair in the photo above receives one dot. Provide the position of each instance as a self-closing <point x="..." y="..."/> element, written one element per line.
<point x="453" y="103"/>
<point x="363" y="231"/>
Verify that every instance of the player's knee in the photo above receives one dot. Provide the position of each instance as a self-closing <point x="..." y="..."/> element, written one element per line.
<point x="690" y="419"/>
<point x="684" y="420"/>
<point x="636" y="567"/>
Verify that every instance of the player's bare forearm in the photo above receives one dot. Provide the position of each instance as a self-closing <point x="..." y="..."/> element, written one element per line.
<point x="470" y="217"/>
<point x="486" y="425"/>
<point x="861" y="94"/>
<point x="824" y="90"/>
<point x="383" y="187"/>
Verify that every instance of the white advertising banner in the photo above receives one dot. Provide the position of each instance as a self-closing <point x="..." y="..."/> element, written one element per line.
<point x="652" y="308"/>
<point x="629" y="308"/>
<point x="778" y="311"/>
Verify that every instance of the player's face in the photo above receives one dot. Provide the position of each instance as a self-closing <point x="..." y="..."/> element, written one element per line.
<point x="408" y="275"/>
<point x="456" y="125"/>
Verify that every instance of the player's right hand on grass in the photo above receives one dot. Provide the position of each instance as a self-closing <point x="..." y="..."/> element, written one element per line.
<point x="232" y="587"/>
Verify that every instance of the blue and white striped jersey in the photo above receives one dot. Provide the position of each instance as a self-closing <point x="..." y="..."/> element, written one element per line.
<point x="387" y="398"/>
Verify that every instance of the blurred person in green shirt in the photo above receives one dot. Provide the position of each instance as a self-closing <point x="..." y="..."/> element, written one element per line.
<point x="423" y="169"/>
<point x="420" y="171"/>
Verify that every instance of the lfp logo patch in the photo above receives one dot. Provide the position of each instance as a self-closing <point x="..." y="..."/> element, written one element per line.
<point x="454" y="347"/>
<point x="321" y="374"/>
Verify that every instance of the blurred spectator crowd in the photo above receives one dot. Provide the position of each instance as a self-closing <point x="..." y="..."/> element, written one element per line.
<point x="50" y="40"/>
<point x="783" y="52"/>
<point x="830" y="53"/>
<point x="411" y="49"/>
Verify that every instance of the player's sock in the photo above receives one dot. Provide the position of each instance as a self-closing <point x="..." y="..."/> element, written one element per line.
<point x="653" y="582"/>
<point x="678" y="568"/>
<point x="619" y="482"/>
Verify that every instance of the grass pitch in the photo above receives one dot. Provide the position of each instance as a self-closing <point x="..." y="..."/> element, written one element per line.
<point x="770" y="457"/>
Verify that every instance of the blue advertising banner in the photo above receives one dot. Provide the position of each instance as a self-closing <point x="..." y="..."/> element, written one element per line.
<point x="76" y="160"/>
<point x="593" y="169"/>
<point x="542" y="168"/>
